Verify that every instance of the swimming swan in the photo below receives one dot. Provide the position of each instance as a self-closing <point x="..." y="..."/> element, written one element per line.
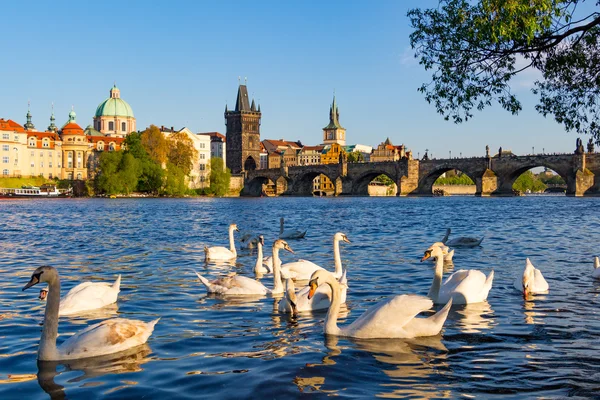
<point x="531" y="281"/>
<point x="237" y="285"/>
<point x="220" y="252"/>
<point x="463" y="286"/>
<point x="391" y="318"/>
<point x="290" y="233"/>
<point x="264" y="265"/>
<point x="462" y="241"/>
<point x="303" y="269"/>
<point x="87" y="296"/>
<point x="295" y="302"/>
<point x="107" y="337"/>
<point x="596" y="273"/>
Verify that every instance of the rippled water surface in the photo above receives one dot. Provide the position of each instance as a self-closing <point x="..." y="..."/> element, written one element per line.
<point x="545" y="346"/>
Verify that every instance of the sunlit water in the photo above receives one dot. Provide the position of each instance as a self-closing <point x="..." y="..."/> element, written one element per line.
<point x="206" y="346"/>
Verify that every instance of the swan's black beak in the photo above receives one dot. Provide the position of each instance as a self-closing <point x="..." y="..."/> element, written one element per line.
<point x="35" y="279"/>
<point x="313" y="288"/>
<point x="294" y="309"/>
<point x="261" y="240"/>
<point x="426" y="255"/>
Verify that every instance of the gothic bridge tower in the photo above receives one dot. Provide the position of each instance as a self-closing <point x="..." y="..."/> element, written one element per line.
<point x="243" y="134"/>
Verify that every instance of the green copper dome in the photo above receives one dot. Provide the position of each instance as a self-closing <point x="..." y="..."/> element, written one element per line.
<point x="114" y="106"/>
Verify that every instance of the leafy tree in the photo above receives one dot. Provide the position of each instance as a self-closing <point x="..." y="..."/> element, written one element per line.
<point x="529" y="181"/>
<point x="151" y="173"/>
<point x="107" y="180"/>
<point x="129" y="173"/>
<point x="220" y="177"/>
<point x="155" y="144"/>
<point x="182" y="152"/>
<point x="552" y="180"/>
<point x="462" y="179"/>
<point x="175" y="181"/>
<point x="356" y="156"/>
<point x="383" y="178"/>
<point x="475" y="48"/>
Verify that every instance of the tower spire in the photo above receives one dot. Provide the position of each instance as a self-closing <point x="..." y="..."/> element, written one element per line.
<point x="29" y="125"/>
<point x="52" y="127"/>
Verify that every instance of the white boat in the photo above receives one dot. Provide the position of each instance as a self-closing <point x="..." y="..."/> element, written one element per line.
<point x="44" y="191"/>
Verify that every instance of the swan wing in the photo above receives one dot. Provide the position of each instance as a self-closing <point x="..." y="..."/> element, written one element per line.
<point x="387" y="318"/>
<point x="540" y="285"/>
<point x="301" y="269"/>
<point x="88" y="296"/>
<point x="320" y="301"/>
<point x="466" y="286"/>
<point x="219" y="253"/>
<point x="242" y="285"/>
<point x="106" y="337"/>
<point x="268" y="262"/>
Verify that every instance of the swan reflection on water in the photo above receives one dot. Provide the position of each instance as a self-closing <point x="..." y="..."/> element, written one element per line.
<point x="532" y="316"/>
<point x="127" y="361"/>
<point x="407" y="362"/>
<point x="473" y="317"/>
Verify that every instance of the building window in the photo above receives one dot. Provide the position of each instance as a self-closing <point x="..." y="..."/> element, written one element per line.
<point x="5" y="147"/>
<point x="41" y="164"/>
<point x="201" y="145"/>
<point x="50" y="164"/>
<point x="50" y="175"/>
<point x="111" y="146"/>
<point x="202" y="167"/>
<point x="78" y="161"/>
<point x="100" y="146"/>
<point x="16" y="138"/>
<point x="70" y="162"/>
<point x="111" y="126"/>
<point x="4" y="172"/>
<point x="32" y="153"/>
<point x="79" y="176"/>
<point x="202" y="178"/>
<point x="6" y="136"/>
<point x="32" y="164"/>
<point x="42" y="154"/>
<point x="49" y="154"/>
<point x="46" y="143"/>
<point x="31" y="142"/>
<point x="70" y="176"/>
<point x="5" y="160"/>
<point x="202" y="156"/>
<point x="123" y="126"/>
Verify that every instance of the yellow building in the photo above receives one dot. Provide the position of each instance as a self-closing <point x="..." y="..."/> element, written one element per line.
<point x="386" y="151"/>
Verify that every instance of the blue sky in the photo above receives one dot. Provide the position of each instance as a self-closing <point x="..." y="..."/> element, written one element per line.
<point x="177" y="64"/>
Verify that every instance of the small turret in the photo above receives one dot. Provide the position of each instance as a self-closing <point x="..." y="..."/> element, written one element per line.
<point x="52" y="127"/>
<point x="29" y="125"/>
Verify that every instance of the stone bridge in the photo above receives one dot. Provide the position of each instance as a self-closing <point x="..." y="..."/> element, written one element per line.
<point x="492" y="176"/>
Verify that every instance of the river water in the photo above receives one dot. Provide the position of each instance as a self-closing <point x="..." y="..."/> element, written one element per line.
<point x="545" y="346"/>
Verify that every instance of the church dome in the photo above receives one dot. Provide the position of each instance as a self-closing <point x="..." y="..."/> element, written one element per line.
<point x="114" y="106"/>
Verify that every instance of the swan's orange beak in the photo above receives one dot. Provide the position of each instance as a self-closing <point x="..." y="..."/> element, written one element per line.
<point x="426" y="255"/>
<point x="288" y="248"/>
<point x="313" y="288"/>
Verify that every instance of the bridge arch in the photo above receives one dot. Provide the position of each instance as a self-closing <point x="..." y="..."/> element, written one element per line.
<point x="426" y="182"/>
<point x="360" y="185"/>
<point x="303" y="185"/>
<point x="508" y="179"/>
<point x="257" y="185"/>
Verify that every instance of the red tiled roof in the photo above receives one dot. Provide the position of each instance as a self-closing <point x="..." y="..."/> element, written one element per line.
<point x="10" y="125"/>
<point x="72" y="129"/>
<point x="40" y="135"/>
<point x="315" y="148"/>
<point x="213" y="135"/>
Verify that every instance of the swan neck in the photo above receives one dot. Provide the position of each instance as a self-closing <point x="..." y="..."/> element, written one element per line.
<point x="333" y="313"/>
<point x="277" y="284"/>
<point x="231" y="242"/>
<point x="259" y="259"/>
<point x="280" y="226"/>
<point x="47" y="348"/>
<point x="434" y="291"/>
<point x="336" y="257"/>
<point x="445" y="239"/>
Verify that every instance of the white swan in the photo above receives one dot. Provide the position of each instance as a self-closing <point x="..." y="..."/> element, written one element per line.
<point x="296" y="302"/>
<point x="107" y="337"/>
<point x="391" y="318"/>
<point x="463" y="286"/>
<point x="264" y="265"/>
<point x="448" y="254"/>
<point x="237" y="285"/>
<point x="87" y="296"/>
<point x="220" y="252"/>
<point x="303" y="269"/>
<point x="596" y="273"/>
<point x="290" y="233"/>
<point x="531" y="281"/>
<point x="462" y="241"/>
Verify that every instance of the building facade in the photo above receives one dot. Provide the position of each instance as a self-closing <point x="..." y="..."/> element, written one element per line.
<point x="114" y="116"/>
<point x="243" y="134"/>
<point x="386" y="151"/>
<point x="218" y="145"/>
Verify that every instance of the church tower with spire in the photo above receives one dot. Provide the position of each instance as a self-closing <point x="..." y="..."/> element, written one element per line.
<point x="243" y="133"/>
<point x="29" y="125"/>
<point x="334" y="132"/>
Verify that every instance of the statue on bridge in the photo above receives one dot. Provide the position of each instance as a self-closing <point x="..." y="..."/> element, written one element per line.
<point x="590" y="145"/>
<point x="487" y="151"/>
<point x="579" y="146"/>
<point x="500" y="152"/>
<point x="425" y="157"/>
